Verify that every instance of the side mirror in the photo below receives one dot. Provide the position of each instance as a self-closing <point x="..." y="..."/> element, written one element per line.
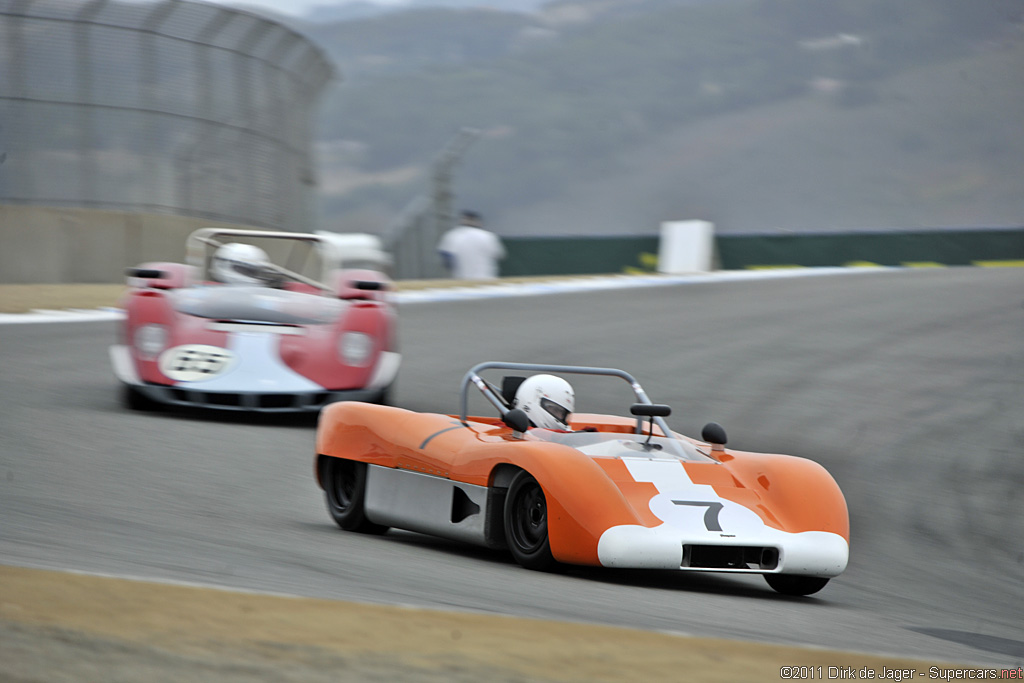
<point x="359" y="284"/>
<point x="650" y="410"/>
<point x="147" y="273"/>
<point x="516" y="420"/>
<point x="160" y="275"/>
<point x="714" y="433"/>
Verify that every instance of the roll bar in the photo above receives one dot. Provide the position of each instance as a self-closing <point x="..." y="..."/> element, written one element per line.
<point x="473" y="377"/>
<point x="198" y="241"/>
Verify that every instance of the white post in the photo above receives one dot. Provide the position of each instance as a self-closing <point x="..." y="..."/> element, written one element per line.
<point x="686" y="247"/>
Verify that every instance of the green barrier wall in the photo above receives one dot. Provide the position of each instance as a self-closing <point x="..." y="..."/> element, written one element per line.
<point x="592" y="255"/>
<point x="944" y="247"/>
<point x="575" y="255"/>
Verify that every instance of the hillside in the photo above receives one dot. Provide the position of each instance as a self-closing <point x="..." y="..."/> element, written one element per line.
<point x="939" y="146"/>
<point x="612" y="116"/>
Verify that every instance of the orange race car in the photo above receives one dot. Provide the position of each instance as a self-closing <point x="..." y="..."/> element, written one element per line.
<point x="555" y="486"/>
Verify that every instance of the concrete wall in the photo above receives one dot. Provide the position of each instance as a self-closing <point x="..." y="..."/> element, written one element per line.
<point x="53" y="245"/>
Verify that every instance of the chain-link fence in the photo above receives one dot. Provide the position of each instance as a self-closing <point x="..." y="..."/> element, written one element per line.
<point x="414" y="235"/>
<point x="169" y="107"/>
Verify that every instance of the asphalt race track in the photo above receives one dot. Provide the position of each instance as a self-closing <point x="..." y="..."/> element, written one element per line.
<point x="908" y="385"/>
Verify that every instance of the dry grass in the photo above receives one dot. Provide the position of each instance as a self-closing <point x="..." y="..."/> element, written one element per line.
<point x="170" y="632"/>
<point x="24" y="298"/>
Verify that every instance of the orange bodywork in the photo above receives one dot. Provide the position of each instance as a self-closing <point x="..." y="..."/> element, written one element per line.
<point x="586" y="495"/>
<point x="788" y="493"/>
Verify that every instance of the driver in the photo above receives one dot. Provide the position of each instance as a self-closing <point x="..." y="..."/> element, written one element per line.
<point x="547" y="400"/>
<point x="242" y="264"/>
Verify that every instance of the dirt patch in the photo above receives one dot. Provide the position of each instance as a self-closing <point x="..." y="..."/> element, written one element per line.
<point x="58" y="626"/>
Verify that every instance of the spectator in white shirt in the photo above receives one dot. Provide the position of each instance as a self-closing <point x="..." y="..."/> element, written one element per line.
<point x="469" y="251"/>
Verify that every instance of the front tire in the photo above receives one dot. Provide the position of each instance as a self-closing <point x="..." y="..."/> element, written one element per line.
<point x="133" y="399"/>
<point x="345" y="493"/>
<point x="792" y="584"/>
<point x="383" y="397"/>
<point x="526" y="523"/>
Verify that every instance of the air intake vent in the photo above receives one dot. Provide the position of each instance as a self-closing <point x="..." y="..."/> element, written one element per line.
<point x="735" y="557"/>
<point x="276" y="401"/>
<point x="462" y="506"/>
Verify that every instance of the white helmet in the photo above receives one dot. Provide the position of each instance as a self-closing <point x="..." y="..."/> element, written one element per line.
<point x="240" y="264"/>
<point x="547" y="400"/>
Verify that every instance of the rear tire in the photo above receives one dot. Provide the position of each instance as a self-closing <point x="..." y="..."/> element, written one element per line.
<point x="526" y="524"/>
<point x="792" y="584"/>
<point x="345" y="492"/>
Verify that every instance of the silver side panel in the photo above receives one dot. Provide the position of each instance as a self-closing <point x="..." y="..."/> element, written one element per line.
<point x="426" y="504"/>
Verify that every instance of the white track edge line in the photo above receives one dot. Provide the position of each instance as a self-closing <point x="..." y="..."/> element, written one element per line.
<point x="497" y="290"/>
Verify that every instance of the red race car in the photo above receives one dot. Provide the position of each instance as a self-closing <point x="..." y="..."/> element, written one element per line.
<point x="231" y="329"/>
<point x="552" y="485"/>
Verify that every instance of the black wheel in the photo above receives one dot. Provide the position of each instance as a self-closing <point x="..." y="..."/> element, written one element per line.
<point x="790" y="584"/>
<point x="345" y="489"/>
<point x="526" y="523"/>
<point x="133" y="399"/>
<point x="383" y="397"/>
